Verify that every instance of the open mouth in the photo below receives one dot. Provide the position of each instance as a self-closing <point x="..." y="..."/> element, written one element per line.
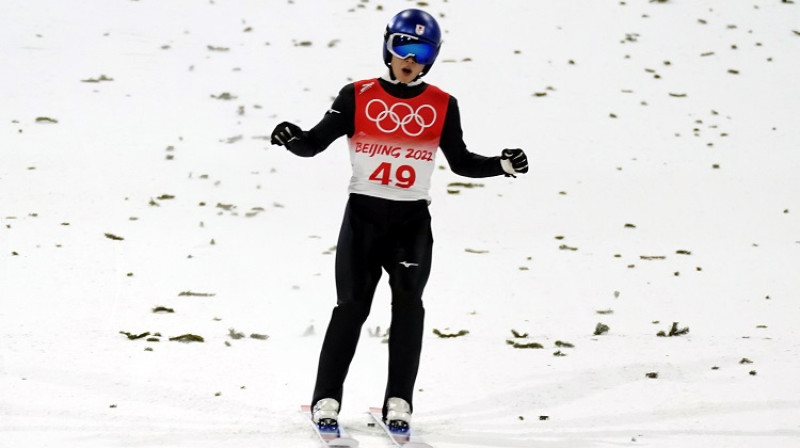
<point x="407" y="71"/>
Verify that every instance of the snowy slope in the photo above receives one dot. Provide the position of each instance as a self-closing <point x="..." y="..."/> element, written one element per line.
<point x="135" y="174"/>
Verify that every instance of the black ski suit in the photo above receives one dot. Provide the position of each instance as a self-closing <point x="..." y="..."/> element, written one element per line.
<point x="382" y="234"/>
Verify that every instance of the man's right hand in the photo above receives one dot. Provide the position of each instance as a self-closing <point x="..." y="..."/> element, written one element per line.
<point x="286" y="133"/>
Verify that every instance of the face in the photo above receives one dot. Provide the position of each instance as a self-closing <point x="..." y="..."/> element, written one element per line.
<point x="406" y="70"/>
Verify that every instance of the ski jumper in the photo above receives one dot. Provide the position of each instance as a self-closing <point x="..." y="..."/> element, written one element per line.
<point x="386" y="227"/>
<point x="394" y="133"/>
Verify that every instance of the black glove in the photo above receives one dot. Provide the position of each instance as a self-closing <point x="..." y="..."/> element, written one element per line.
<point x="286" y="133"/>
<point x="514" y="161"/>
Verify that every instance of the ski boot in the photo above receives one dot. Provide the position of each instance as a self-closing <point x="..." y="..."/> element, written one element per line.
<point x="398" y="415"/>
<point x="325" y="414"/>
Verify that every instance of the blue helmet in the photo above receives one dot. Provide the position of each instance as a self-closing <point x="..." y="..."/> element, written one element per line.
<point x="412" y="32"/>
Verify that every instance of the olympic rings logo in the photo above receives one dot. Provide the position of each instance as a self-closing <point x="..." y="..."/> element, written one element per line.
<point x="413" y="122"/>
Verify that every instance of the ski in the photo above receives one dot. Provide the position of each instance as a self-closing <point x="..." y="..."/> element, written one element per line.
<point x="334" y="438"/>
<point x="404" y="439"/>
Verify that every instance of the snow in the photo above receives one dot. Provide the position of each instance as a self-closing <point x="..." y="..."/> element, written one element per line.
<point x="663" y="130"/>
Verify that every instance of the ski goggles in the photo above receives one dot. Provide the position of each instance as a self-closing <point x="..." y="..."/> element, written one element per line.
<point x="404" y="46"/>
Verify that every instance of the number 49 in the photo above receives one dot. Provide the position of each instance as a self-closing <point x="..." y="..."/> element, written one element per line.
<point x="405" y="175"/>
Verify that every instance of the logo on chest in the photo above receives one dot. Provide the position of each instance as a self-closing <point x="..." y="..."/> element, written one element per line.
<point x="400" y="116"/>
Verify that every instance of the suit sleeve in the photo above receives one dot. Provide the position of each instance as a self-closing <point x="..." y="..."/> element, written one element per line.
<point x="461" y="160"/>
<point x="337" y="121"/>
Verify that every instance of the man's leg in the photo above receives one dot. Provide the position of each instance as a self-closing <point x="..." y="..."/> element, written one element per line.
<point x="409" y="268"/>
<point x="357" y="273"/>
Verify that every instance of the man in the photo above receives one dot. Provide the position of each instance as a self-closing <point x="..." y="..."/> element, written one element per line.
<point x="395" y="126"/>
